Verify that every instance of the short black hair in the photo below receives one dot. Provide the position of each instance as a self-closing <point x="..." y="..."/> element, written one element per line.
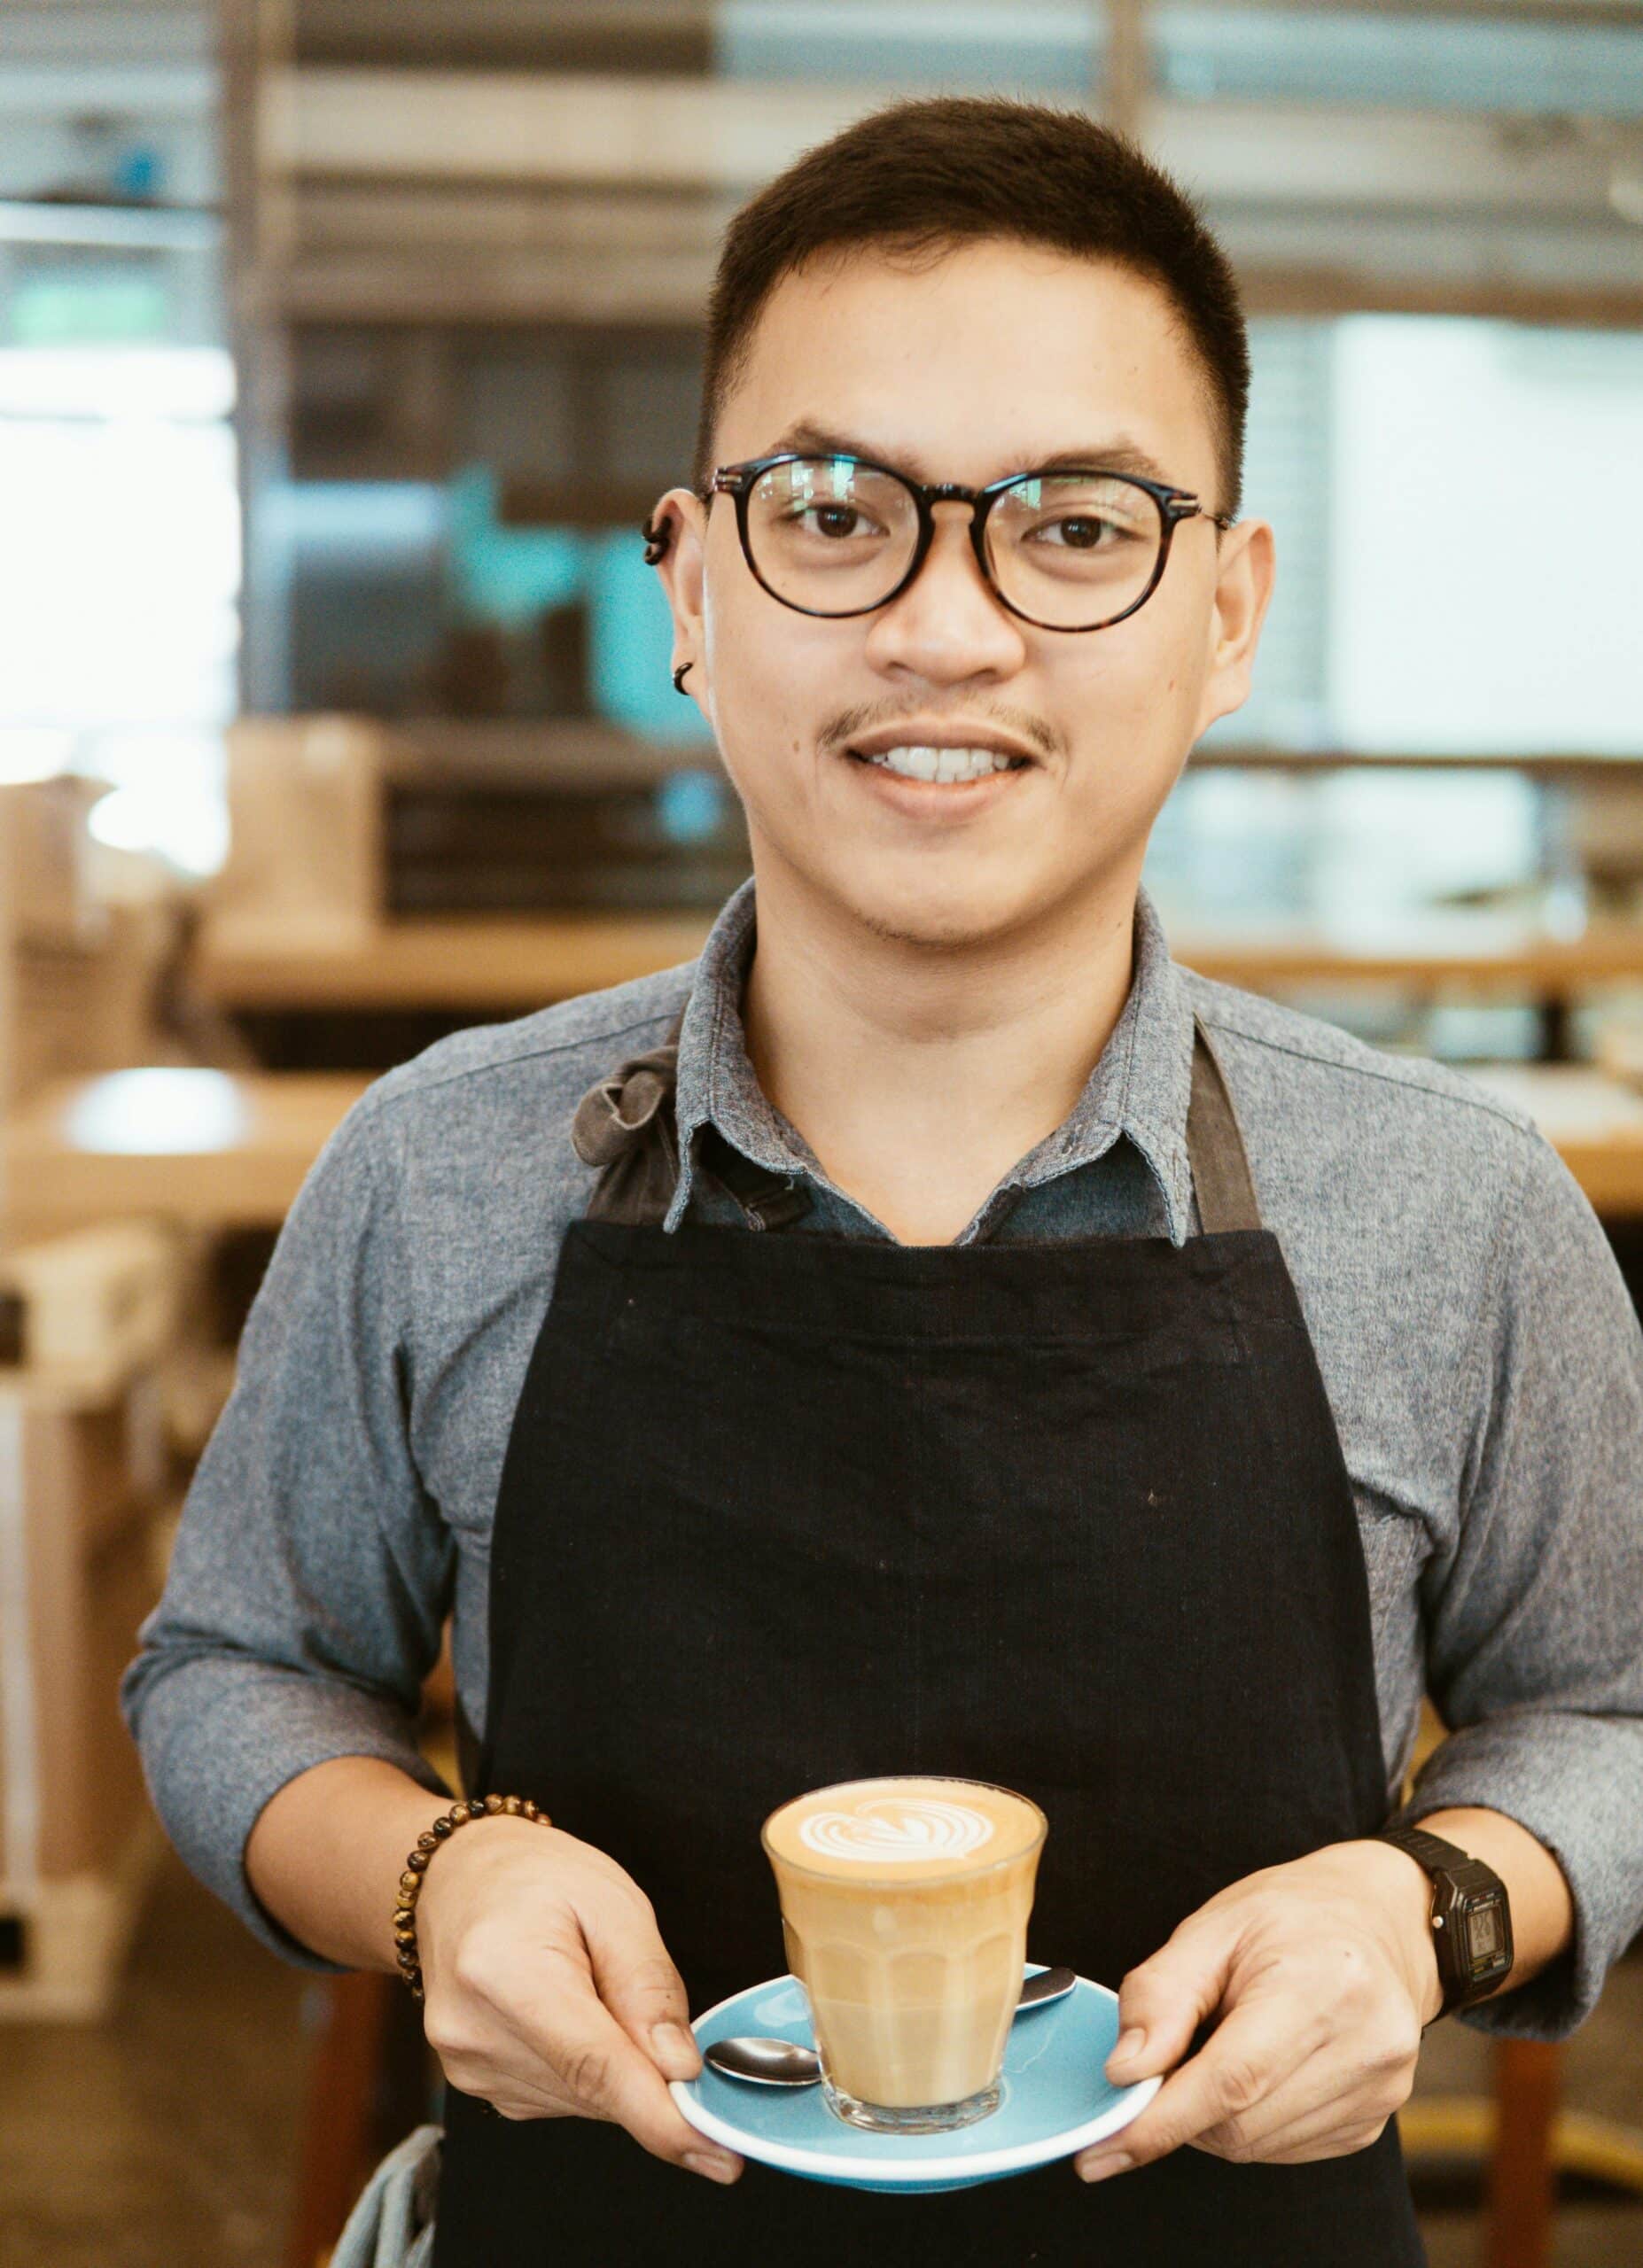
<point x="919" y="178"/>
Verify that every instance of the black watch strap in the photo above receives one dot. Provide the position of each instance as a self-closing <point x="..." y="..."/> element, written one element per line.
<point x="1458" y="1883"/>
<point x="1430" y="1850"/>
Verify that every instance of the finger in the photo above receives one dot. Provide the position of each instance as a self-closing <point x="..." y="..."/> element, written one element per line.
<point x="635" y="1979"/>
<point x="606" y="2076"/>
<point x="1336" y="2143"/>
<point x="1251" y="2053"/>
<point x="1311" y="2094"/>
<point x="1162" y="2003"/>
<point x="1314" y="2106"/>
<point x="1348" y="2086"/>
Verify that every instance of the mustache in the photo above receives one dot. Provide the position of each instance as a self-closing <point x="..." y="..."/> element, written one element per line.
<point x="867" y="717"/>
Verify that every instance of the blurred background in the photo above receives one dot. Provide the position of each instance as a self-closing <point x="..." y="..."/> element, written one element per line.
<point x="344" y="343"/>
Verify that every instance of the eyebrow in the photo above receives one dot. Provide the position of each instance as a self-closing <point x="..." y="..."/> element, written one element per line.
<point x="1120" y="454"/>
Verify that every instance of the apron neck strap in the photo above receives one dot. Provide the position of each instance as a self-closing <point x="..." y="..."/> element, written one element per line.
<point x="1220" y="1164"/>
<point x="625" y="1125"/>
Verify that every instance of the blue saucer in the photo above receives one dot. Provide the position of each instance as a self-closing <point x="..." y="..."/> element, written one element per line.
<point x="1056" y="2099"/>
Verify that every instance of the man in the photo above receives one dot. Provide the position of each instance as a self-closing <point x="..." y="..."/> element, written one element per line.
<point x="934" y="1332"/>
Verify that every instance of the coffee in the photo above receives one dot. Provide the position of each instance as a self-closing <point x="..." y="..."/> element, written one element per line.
<point x="904" y="1907"/>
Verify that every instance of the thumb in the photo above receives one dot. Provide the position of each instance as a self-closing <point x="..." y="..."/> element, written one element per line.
<point x="1162" y="2003"/>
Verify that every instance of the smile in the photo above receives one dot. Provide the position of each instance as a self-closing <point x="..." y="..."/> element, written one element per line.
<point x="944" y="767"/>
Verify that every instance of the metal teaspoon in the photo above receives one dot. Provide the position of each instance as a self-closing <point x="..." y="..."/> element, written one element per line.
<point x="784" y="2063"/>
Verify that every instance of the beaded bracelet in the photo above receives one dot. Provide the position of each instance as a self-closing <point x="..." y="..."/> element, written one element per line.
<point x="417" y="1866"/>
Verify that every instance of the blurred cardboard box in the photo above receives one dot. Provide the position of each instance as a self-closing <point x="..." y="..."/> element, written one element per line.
<point x="97" y="1303"/>
<point x="45" y="849"/>
<point x="304" y="825"/>
<point x="83" y="1485"/>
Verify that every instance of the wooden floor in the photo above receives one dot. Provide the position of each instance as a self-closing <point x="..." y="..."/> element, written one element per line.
<point x="165" y="2138"/>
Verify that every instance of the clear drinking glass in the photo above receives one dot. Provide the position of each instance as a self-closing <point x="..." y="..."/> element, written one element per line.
<point x="905" y="1902"/>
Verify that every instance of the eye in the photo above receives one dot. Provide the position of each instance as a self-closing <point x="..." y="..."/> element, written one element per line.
<point x="1082" y="531"/>
<point x="831" y="523"/>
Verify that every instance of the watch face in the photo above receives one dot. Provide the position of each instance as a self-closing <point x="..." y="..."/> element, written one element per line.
<point x="1485" y="1939"/>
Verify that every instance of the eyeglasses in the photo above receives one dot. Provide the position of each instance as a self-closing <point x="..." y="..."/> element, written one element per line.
<point x="834" y="536"/>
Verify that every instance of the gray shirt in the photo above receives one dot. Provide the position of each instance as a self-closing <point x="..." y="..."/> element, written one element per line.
<point x="1477" y="1346"/>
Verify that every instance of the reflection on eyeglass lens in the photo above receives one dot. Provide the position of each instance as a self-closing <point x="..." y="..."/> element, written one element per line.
<point x="837" y="537"/>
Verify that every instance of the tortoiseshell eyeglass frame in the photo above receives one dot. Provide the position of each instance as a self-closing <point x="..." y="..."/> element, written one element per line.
<point x="738" y="481"/>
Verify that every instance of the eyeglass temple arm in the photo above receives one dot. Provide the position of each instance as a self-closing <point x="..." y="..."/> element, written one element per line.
<point x="658" y="532"/>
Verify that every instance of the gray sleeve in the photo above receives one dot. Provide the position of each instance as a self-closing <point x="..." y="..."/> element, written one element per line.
<point x="311" y="1571"/>
<point x="1534" y="1622"/>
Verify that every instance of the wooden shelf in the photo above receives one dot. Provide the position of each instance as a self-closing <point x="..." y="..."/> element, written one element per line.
<point x="225" y="1150"/>
<point x="246" y="961"/>
<point x="482" y="965"/>
<point x="216" y="1149"/>
<point x="1479" y="951"/>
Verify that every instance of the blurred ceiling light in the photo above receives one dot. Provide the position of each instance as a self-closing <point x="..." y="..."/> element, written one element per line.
<point x="158" y="1109"/>
<point x="139" y="227"/>
<point x="186" y="384"/>
<point x="189" y="832"/>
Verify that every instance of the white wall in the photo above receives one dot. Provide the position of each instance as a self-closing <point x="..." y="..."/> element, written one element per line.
<point x="1487" y="543"/>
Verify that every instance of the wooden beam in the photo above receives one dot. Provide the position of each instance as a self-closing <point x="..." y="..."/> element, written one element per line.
<point x="1567" y="15"/>
<point x="1274" y="291"/>
<point x="639" y="38"/>
<point x="1125" y="70"/>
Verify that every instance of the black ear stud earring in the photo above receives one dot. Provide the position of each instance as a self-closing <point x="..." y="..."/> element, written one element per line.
<point x="679" y="678"/>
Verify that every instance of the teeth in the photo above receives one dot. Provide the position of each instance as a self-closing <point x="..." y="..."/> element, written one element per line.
<point x="943" y="764"/>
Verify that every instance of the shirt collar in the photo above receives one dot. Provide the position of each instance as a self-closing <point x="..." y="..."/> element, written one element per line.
<point x="1139" y="1087"/>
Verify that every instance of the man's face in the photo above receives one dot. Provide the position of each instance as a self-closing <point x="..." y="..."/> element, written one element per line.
<point x="995" y="360"/>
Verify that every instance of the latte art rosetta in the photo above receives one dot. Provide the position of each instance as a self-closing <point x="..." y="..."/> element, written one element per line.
<point x="897" y="1827"/>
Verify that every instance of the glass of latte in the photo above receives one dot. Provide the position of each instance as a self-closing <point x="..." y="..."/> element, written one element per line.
<point x="904" y="1907"/>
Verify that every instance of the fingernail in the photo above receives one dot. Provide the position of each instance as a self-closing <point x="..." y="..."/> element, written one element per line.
<point x="1130" y="2043"/>
<point x="676" y="2046"/>
<point x="716" y="2169"/>
<point x="1103" y="2162"/>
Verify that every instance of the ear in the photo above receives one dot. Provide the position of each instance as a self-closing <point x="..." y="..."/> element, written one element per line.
<point x="682" y="517"/>
<point x="1245" y="570"/>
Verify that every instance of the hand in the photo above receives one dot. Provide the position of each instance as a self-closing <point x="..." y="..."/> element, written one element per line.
<point x="1323" y="1974"/>
<point x="548" y="1991"/>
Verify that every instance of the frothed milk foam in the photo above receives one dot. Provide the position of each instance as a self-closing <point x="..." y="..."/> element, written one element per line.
<point x="904" y="1907"/>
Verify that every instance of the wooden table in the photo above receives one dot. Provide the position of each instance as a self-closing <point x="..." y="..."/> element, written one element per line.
<point x="222" y="1149"/>
<point x="217" y="1149"/>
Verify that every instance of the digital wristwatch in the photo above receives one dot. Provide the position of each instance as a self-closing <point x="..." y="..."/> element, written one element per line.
<point x="1471" y="1916"/>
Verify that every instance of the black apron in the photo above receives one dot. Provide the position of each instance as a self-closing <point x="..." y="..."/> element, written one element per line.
<point x="782" y="1510"/>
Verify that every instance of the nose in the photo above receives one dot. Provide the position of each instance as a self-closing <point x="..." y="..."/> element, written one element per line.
<point x="947" y="625"/>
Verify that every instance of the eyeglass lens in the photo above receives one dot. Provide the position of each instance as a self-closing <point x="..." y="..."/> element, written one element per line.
<point x="1069" y="550"/>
